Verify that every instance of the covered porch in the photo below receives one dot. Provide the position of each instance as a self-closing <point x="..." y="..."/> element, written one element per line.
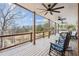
<point x="38" y="44"/>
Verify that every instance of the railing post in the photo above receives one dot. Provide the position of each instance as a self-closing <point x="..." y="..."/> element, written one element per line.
<point x="43" y="34"/>
<point x="49" y="34"/>
<point x="31" y="37"/>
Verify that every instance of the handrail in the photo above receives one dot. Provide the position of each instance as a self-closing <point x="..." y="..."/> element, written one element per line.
<point x="17" y="34"/>
<point x="42" y="32"/>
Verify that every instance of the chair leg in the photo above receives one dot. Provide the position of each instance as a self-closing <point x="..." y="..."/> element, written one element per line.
<point x="50" y="51"/>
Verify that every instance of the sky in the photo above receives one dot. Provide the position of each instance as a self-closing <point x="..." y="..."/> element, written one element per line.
<point x="27" y="16"/>
<point x="28" y="19"/>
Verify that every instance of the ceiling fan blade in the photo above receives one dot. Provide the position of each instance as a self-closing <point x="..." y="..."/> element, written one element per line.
<point x="45" y="13"/>
<point x="40" y="9"/>
<point x="64" y="18"/>
<point x="56" y="11"/>
<point x="51" y="13"/>
<point x="59" y="17"/>
<point x="58" y="8"/>
<point x="53" y="5"/>
<point x="44" y="5"/>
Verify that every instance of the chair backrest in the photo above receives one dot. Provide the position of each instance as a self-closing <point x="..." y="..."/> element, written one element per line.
<point x="67" y="40"/>
<point x="61" y="39"/>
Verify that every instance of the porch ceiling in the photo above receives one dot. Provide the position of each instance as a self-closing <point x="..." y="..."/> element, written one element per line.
<point x="68" y="11"/>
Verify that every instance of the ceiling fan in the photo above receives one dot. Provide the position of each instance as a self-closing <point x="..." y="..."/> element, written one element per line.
<point x="61" y="19"/>
<point x="50" y="8"/>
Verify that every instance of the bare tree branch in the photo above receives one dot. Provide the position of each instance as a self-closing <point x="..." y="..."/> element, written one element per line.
<point x="2" y="14"/>
<point x="6" y="18"/>
<point x="9" y="10"/>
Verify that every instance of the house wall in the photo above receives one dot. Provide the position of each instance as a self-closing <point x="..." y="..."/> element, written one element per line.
<point x="70" y="12"/>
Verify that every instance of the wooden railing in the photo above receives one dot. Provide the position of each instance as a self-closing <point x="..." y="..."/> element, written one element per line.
<point x="43" y="34"/>
<point x="15" y="38"/>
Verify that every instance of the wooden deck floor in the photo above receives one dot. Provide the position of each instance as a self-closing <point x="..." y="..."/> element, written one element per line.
<point x="28" y="49"/>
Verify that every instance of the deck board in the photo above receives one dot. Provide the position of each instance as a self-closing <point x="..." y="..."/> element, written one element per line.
<point x="28" y="49"/>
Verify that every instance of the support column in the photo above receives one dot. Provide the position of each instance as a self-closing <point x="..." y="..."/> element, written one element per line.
<point x="34" y="36"/>
<point x="55" y="29"/>
<point x="49" y="28"/>
<point x="78" y="29"/>
<point x="58" y="28"/>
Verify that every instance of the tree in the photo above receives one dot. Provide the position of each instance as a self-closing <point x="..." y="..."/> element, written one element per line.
<point x="39" y="28"/>
<point x="19" y="29"/>
<point x="7" y="17"/>
<point x="46" y="26"/>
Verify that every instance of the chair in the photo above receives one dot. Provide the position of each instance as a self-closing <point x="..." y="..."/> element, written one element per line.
<point x="60" y="48"/>
<point x="74" y="35"/>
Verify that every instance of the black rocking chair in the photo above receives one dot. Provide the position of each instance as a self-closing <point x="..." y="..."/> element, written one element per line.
<point x="60" y="50"/>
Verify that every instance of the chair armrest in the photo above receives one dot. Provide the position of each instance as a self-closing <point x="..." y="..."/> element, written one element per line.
<point x="52" y="44"/>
